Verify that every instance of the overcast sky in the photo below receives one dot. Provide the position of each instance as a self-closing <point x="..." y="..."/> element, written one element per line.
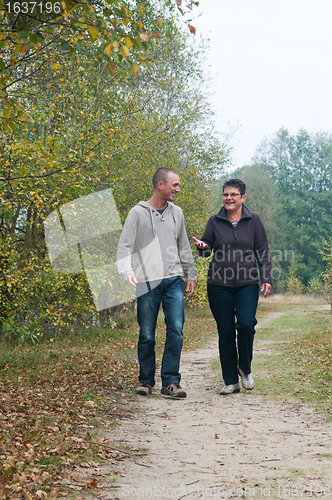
<point x="271" y="63"/>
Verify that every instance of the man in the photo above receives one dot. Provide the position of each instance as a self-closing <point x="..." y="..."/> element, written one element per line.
<point x="155" y="235"/>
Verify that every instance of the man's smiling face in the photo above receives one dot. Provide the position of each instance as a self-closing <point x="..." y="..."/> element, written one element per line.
<point x="171" y="187"/>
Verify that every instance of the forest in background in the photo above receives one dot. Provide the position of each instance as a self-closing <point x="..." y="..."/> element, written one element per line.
<point x="289" y="184"/>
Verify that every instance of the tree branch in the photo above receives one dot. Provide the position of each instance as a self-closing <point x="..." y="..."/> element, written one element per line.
<point x="77" y="163"/>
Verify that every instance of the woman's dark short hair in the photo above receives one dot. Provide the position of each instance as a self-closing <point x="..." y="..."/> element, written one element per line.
<point x="237" y="183"/>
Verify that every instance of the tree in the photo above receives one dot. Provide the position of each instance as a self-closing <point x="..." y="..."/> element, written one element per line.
<point x="325" y="286"/>
<point x="300" y="167"/>
<point x="87" y="130"/>
<point x="120" y="30"/>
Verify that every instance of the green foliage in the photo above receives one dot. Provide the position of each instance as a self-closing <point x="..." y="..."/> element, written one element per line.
<point x="87" y="130"/>
<point x="317" y="286"/>
<point x="326" y="285"/>
<point x="11" y="330"/>
<point x="199" y="299"/>
<point x="314" y="286"/>
<point x="300" y="169"/>
<point x="121" y="32"/>
<point x="293" y="284"/>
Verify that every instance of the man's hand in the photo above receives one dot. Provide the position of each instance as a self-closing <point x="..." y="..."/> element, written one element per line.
<point x="266" y="288"/>
<point x="200" y="244"/>
<point x="190" y="288"/>
<point x="131" y="280"/>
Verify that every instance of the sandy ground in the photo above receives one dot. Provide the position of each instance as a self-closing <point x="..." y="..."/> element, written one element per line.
<point x="210" y="446"/>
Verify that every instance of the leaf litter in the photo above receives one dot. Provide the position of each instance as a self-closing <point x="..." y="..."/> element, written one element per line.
<point x="55" y="399"/>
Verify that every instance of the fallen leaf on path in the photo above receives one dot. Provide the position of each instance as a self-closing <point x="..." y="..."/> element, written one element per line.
<point x="41" y="494"/>
<point x="91" y="484"/>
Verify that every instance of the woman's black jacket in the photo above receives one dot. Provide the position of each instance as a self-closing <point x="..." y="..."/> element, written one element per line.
<point x="241" y="255"/>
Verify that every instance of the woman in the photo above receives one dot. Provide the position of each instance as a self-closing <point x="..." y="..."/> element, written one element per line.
<point x="238" y="240"/>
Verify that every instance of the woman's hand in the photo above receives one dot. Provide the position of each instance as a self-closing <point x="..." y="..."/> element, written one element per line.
<point x="200" y="244"/>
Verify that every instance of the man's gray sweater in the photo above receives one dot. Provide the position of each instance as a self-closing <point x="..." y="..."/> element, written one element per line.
<point x="158" y="244"/>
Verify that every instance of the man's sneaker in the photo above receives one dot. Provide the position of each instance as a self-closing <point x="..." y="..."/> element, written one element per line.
<point x="144" y="389"/>
<point x="174" y="390"/>
<point x="247" y="380"/>
<point x="229" y="389"/>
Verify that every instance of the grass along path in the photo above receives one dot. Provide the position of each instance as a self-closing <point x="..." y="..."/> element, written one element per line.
<point x="293" y="351"/>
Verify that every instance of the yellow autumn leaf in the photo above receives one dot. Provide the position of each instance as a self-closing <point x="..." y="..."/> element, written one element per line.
<point x="124" y="50"/>
<point x="109" y="49"/>
<point x="6" y="112"/>
<point x="134" y="69"/>
<point x="144" y="37"/>
<point x="19" y="48"/>
<point x="160" y="22"/>
<point x="192" y="29"/>
<point x="56" y="66"/>
<point x="128" y="41"/>
<point x="93" y="32"/>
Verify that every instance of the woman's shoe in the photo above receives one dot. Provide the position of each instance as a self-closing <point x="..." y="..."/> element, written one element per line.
<point x="247" y="380"/>
<point x="230" y="389"/>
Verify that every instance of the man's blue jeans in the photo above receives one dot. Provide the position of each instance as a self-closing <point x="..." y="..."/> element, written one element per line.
<point x="226" y="303"/>
<point x="169" y="292"/>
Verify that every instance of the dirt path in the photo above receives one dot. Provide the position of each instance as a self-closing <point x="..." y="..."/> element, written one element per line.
<point x="210" y="446"/>
<point x="207" y="445"/>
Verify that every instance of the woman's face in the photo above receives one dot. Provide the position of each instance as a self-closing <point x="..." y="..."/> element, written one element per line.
<point x="232" y="198"/>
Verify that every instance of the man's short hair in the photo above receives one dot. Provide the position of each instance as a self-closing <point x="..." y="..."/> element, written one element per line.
<point x="161" y="175"/>
<point x="237" y="183"/>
